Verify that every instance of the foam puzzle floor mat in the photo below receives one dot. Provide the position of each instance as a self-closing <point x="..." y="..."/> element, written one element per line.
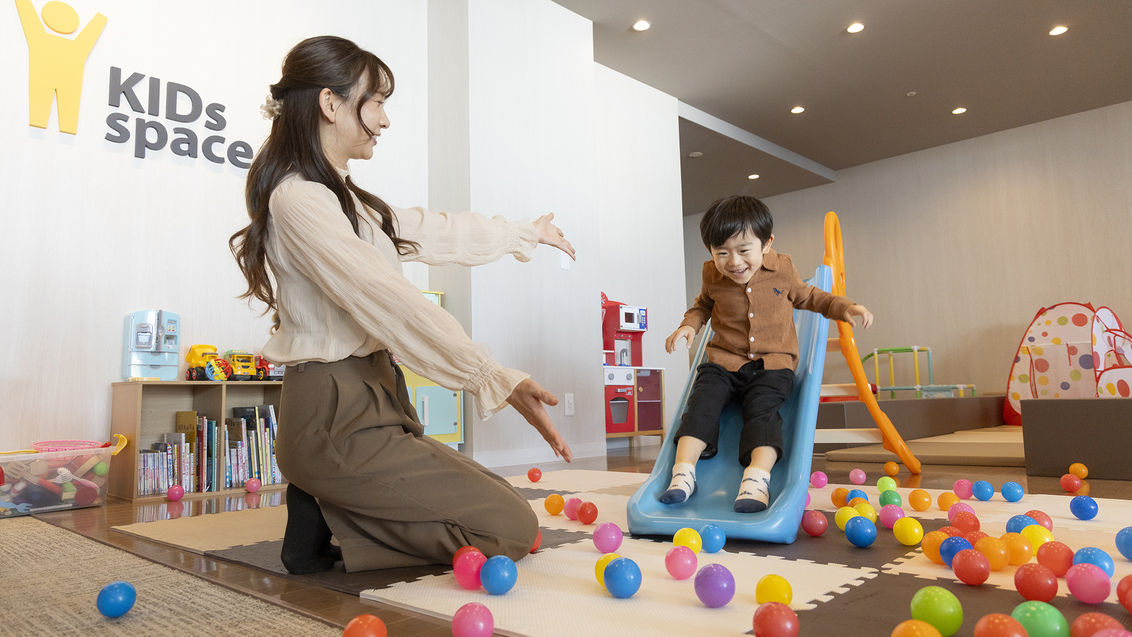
<point x="838" y="589"/>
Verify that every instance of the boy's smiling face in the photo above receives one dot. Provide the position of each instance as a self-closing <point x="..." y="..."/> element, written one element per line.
<point x="740" y="256"/>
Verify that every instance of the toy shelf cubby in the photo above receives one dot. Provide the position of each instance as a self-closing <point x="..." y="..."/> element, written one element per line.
<point x="143" y="411"/>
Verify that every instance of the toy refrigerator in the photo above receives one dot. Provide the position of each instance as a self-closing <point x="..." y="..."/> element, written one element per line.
<point x="152" y="345"/>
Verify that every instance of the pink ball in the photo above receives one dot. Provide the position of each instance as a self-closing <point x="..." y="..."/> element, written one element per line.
<point x="1088" y="583"/>
<point x="252" y="485"/>
<point x="818" y="479"/>
<point x="889" y="514"/>
<point x="807" y="499"/>
<point x="857" y="476"/>
<point x="571" y="508"/>
<point x="175" y="492"/>
<point x="680" y="562"/>
<point x="962" y="488"/>
<point x="473" y="620"/>
<point x="466" y="568"/>
<point x="814" y="523"/>
<point x="607" y="537"/>
<point x="956" y="508"/>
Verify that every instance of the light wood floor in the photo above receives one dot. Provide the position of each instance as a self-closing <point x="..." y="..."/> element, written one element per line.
<point x="338" y="608"/>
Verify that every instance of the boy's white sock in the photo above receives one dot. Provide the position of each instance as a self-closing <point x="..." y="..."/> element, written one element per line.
<point x="754" y="491"/>
<point x="683" y="483"/>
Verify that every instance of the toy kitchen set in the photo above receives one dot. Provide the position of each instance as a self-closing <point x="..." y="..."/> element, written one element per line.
<point x="634" y="394"/>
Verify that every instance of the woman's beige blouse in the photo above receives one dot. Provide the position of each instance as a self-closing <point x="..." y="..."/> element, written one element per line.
<point x="341" y="295"/>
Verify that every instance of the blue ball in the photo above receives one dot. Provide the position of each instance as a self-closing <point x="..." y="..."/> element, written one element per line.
<point x="622" y="577"/>
<point x="855" y="493"/>
<point x="498" y="574"/>
<point x="860" y="531"/>
<point x="952" y="545"/>
<point x="982" y="490"/>
<point x="1019" y="522"/>
<point x="116" y="598"/>
<point x="713" y="538"/>
<point x="1012" y="491"/>
<point x="1096" y="557"/>
<point x="1084" y="507"/>
<point x="1124" y="542"/>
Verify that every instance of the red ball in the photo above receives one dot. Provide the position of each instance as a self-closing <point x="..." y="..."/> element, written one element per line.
<point x="1041" y="518"/>
<point x="587" y="513"/>
<point x="1090" y="623"/>
<point x="971" y="566"/>
<point x="775" y="619"/>
<point x="974" y="536"/>
<point x="1070" y="483"/>
<point x="1035" y="582"/>
<point x="538" y="541"/>
<point x="365" y="626"/>
<point x="999" y="625"/>
<point x="1123" y="587"/>
<point x="814" y="523"/>
<point x="464" y="549"/>
<point x="534" y="474"/>
<point x="951" y="531"/>
<point x="1055" y="556"/>
<point x="1126" y="597"/>
<point x="966" y="522"/>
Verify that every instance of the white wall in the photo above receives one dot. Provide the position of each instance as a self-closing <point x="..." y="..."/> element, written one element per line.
<point x="91" y="233"/>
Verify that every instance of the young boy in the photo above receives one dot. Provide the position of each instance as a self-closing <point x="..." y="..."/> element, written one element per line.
<point x="749" y="292"/>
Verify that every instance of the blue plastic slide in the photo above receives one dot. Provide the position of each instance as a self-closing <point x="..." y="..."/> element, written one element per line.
<point x="717" y="479"/>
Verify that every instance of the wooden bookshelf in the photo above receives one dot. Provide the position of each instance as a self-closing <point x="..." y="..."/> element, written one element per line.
<point x="143" y="411"/>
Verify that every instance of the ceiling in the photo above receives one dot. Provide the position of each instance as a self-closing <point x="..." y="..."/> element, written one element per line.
<point x="885" y="91"/>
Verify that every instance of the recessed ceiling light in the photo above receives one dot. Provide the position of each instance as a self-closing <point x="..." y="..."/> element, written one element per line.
<point x="797" y="109"/>
<point x="911" y="93"/>
<point x="752" y="176"/>
<point x="959" y="111"/>
<point x="641" y="25"/>
<point x="695" y="153"/>
<point x="1058" y="30"/>
<point x="856" y="27"/>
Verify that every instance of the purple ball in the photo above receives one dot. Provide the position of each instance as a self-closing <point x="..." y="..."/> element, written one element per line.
<point x="715" y="585"/>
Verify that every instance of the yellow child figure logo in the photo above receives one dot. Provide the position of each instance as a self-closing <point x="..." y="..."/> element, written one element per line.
<point x="55" y="63"/>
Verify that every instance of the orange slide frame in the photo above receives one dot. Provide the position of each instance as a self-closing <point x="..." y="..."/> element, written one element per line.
<point x="835" y="259"/>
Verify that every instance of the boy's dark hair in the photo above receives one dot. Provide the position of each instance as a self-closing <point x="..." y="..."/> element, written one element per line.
<point x="734" y="215"/>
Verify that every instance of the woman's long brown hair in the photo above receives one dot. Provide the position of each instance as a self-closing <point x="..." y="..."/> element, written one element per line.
<point x="294" y="146"/>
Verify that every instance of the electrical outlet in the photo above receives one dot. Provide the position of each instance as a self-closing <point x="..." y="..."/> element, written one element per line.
<point x="569" y="404"/>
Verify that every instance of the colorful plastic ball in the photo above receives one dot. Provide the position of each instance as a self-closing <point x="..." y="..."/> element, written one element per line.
<point x="1041" y="518"/>
<point x="570" y="509"/>
<point x="807" y="499"/>
<point x="608" y="537"/>
<point x="971" y="567"/>
<point x="996" y="551"/>
<point x="950" y="531"/>
<point x="818" y="479"/>
<point x="175" y="492"/>
<point x="939" y="607"/>
<point x="715" y="585"/>
<point x="599" y="568"/>
<point x="982" y="490"/>
<point x="891" y="469"/>
<point x="773" y="588"/>
<point x="538" y="541"/>
<point x="974" y="536"/>
<point x="914" y="628"/>
<point x="1020" y="549"/>
<point x="946" y="500"/>
<point x="680" y="562"/>
<point x="867" y="511"/>
<point x="587" y="513"/>
<point x="365" y="626"/>
<point x="1012" y="491"/>
<point x="966" y="521"/>
<point x="843" y="515"/>
<point x="1089" y="624"/>
<point x="861" y="532"/>
<point x="908" y="531"/>
<point x="886" y="484"/>
<point x="116" y="598"/>
<point x="1124" y="593"/>
<point x="690" y="538"/>
<point x="464" y="549"/>
<point x="252" y="485"/>
<point x="857" y="476"/>
<point x="554" y="504"/>
<point x="774" y="619"/>
<point x="930" y="545"/>
<point x="534" y="474"/>
<point x="839" y="497"/>
<point x="1070" y="483"/>
<point x="713" y="538"/>
<point x="1055" y="556"/>
<point x="889" y="514"/>
<point x="1079" y="470"/>
<point x="1097" y="557"/>
<point x="467" y="567"/>
<point x="957" y="508"/>
<point x="1124" y="542"/>
<point x="1040" y="619"/>
<point x="999" y="625"/>
<point x="622" y="578"/>
<point x="855" y="493"/>
<point x="962" y="488"/>
<point x="951" y="546"/>
<point x="498" y="574"/>
<point x="892" y="496"/>
<point x="1085" y="488"/>
<point x="1036" y="535"/>
<point x="1035" y="582"/>
<point x="920" y="500"/>
<point x="473" y="620"/>
<point x="1083" y="507"/>
<point x="1018" y="522"/>
<point x="814" y="523"/>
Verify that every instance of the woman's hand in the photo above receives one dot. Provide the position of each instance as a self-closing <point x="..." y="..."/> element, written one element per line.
<point x="861" y="311"/>
<point x="528" y="398"/>
<point x="549" y="234"/>
<point x="684" y="332"/>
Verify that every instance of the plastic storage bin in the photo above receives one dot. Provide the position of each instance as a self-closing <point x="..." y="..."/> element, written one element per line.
<point x="55" y="475"/>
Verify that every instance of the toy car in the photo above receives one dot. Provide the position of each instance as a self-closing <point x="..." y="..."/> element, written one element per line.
<point x="205" y="363"/>
<point x="266" y="370"/>
<point x="242" y="364"/>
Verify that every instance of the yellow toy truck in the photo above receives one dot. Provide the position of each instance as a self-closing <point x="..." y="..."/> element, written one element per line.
<point x="242" y="364"/>
<point x="206" y="364"/>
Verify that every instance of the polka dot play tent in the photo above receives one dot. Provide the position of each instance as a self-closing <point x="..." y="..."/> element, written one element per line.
<point x="1070" y="350"/>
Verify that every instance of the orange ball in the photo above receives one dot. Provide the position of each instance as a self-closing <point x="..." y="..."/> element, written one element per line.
<point x="1020" y="549"/>
<point x="554" y="504"/>
<point x="915" y="628"/>
<point x="999" y="625"/>
<point x="930" y="545"/>
<point x="997" y="552"/>
<point x="856" y="501"/>
<point x="920" y="500"/>
<point x="838" y="496"/>
<point x="891" y="468"/>
<point x="1079" y="470"/>
<point x="947" y="500"/>
<point x="365" y="626"/>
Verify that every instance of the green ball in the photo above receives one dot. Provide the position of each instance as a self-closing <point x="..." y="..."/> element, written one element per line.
<point x="1041" y="620"/>
<point x="940" y="608"/>
<point x="101" y="468"/>
<point x="886" y="484"/>
<point x="891" y="497"/>
<point x="68" y="487"/>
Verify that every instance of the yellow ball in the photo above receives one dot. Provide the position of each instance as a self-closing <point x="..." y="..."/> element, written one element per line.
<point x="1036" y="535"/>
<point x="908" y="531"/>
<point x="1079" y="470"/>
<point x="867" y="510"/>
<point x="599" y="570"/>
<point x="690" y="538"/>
<point x="843" y="515"/>
<point x="773" y="588"/>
